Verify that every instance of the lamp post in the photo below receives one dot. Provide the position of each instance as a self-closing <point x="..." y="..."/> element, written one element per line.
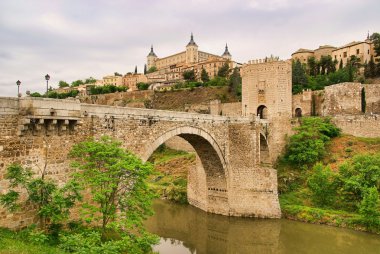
<point x="18" y="82"/>
<point x="47" y="77"/>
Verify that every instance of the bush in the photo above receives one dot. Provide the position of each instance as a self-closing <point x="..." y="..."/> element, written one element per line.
<point x="322" y="185"/>
<point x="369" y="208"/>
<point x="142" y="86"/>
<point x="107" y="89"/>
<point x="307" y="146"/>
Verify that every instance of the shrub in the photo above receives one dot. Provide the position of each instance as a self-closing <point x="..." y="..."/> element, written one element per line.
<point x="307" y="146"/>
<point x="369" y="208"/>
<point x="322" y="185"/>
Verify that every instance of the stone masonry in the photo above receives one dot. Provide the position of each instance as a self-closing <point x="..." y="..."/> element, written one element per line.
<point x="229" y="178"/>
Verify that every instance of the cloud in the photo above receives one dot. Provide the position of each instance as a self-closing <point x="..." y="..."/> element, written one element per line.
<point x="72" y="39"/>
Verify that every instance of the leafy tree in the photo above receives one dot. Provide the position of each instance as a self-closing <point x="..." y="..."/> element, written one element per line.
<point x="363" y="101"/>
<point x="55" y="95"/>
<point x="375" y="37"/>
<point x="117" y="74"/>
<point x="370" y="69"/>
<point x="235" y="82"/>
<point x="204" y="76"/>
<point x="189" y="75"/>
<point x="152" y="69"/>
<point x="90" y="80"/>
<point x="62" y="84"/>
<point x="77" y="83"/>
<point x="217" y="81"/>
<point x="362" y="172"/>
<point x="369" y="207"/>
<point x="224" y="70"/>
<point x="307" y="146"/>
<point x="107" y="89"/>
<point x="52" y="202"/>
<point x="120" y="198"/>
<point x="36" y="94"/>
<point x="312" y="66"/>
<point x="299" y="79"/>
<point x="322" y="185"/>
<point x="142" y="86"/>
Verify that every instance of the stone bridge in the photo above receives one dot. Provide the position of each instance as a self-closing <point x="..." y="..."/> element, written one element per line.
<point x="229" y="178"/>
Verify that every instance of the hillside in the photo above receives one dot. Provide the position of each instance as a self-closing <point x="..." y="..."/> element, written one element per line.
<point x="177" y="100"/>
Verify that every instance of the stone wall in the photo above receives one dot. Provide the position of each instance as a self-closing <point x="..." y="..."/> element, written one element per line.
<point x="302" y="101"/>
<point x="225" y="109"/>
<point x="359" y="125"/>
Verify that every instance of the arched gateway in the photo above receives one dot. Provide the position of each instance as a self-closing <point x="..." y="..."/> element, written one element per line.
<point x="229" y="178"/>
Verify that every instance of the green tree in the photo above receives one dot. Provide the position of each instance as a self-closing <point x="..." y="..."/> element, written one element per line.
<point x="363" y="100"/>
<point x="36" y="94"/>
<point x="299" y="79"/>
<point x="224" y="70"/>
<point x="204" y="76"/>
<point x="189" y="75"/>
<point x="312" y="66"/>
<point x="120" y="198"/>
<point x="369" y="207"/>
<point x="307" y="146"/>
<point x="375" y="37"/>
<point x="370" y="69"/>
<point x="117" y="74"/>
<point x="90" y="80"/>
<point x="77" y="83"/>
<point x="142" y="86"/>
<point x="356" y="175"/>
<point x="322" y="185"/>
<point x="63" y="84"/>
<point x="235" y="82"/>
<point x="52" y="202"/>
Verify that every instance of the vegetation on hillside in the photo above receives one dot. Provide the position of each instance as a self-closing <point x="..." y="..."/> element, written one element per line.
<point x="332" y="187"/>
<point x="169" y="180"/>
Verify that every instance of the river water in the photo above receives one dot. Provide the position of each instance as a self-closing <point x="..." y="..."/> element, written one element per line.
<point x="184" y="229"/>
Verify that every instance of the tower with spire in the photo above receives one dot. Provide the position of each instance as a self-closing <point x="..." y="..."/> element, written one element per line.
<point x="191" y="51"/>
<point x="226" y="53"/>
<point x="151" y="58"/>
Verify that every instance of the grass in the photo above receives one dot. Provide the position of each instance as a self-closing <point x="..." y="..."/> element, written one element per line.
<point x="15" y="243"/>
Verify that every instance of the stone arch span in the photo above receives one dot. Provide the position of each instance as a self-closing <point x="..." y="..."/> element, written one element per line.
<point x="207" y="186"/>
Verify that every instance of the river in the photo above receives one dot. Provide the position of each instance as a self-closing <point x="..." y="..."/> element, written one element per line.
<point x="184" y="229"/>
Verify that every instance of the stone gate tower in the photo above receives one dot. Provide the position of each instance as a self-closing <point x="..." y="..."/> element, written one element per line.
<point x="267" y="94"/>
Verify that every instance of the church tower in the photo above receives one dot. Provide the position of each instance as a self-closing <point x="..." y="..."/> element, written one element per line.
<point x="226" y="53"/>
<point x="151" y="58"/>
<point x="191" y="51"/>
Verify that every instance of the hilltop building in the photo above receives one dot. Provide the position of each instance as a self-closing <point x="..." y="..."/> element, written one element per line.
<point x="363" y="50"/>
<point x="170" y="68"/>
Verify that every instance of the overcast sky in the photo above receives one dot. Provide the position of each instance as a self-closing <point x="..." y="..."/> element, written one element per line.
<point x="72" y="39"/>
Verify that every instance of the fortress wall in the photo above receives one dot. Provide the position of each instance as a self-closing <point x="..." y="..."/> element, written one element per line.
<point x="372" y="94"/>
<point x="359" y="125"/>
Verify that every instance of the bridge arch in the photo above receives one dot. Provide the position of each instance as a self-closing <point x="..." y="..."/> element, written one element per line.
<point x="207" y="185"/>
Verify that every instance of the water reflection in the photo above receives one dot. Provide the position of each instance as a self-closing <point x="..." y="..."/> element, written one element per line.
<point x="185" y="229"/>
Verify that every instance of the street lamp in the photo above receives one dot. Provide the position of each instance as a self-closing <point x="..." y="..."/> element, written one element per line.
<point x="18" y="82"/>
<point x="47" y="77"/>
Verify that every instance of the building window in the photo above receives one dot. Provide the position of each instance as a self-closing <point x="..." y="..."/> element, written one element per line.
<point x="368" y="52"/>
<point x="344" y="54"/>
<point x="357" y="51"/>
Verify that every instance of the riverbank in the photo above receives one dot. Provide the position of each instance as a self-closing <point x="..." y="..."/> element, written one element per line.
<point x="333" y="192"/>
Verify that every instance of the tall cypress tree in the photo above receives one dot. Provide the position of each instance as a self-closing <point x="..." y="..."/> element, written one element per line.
<point x="136" y="69"/>
<point x="144" y="68"/>
<point x="364" y="103"/>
